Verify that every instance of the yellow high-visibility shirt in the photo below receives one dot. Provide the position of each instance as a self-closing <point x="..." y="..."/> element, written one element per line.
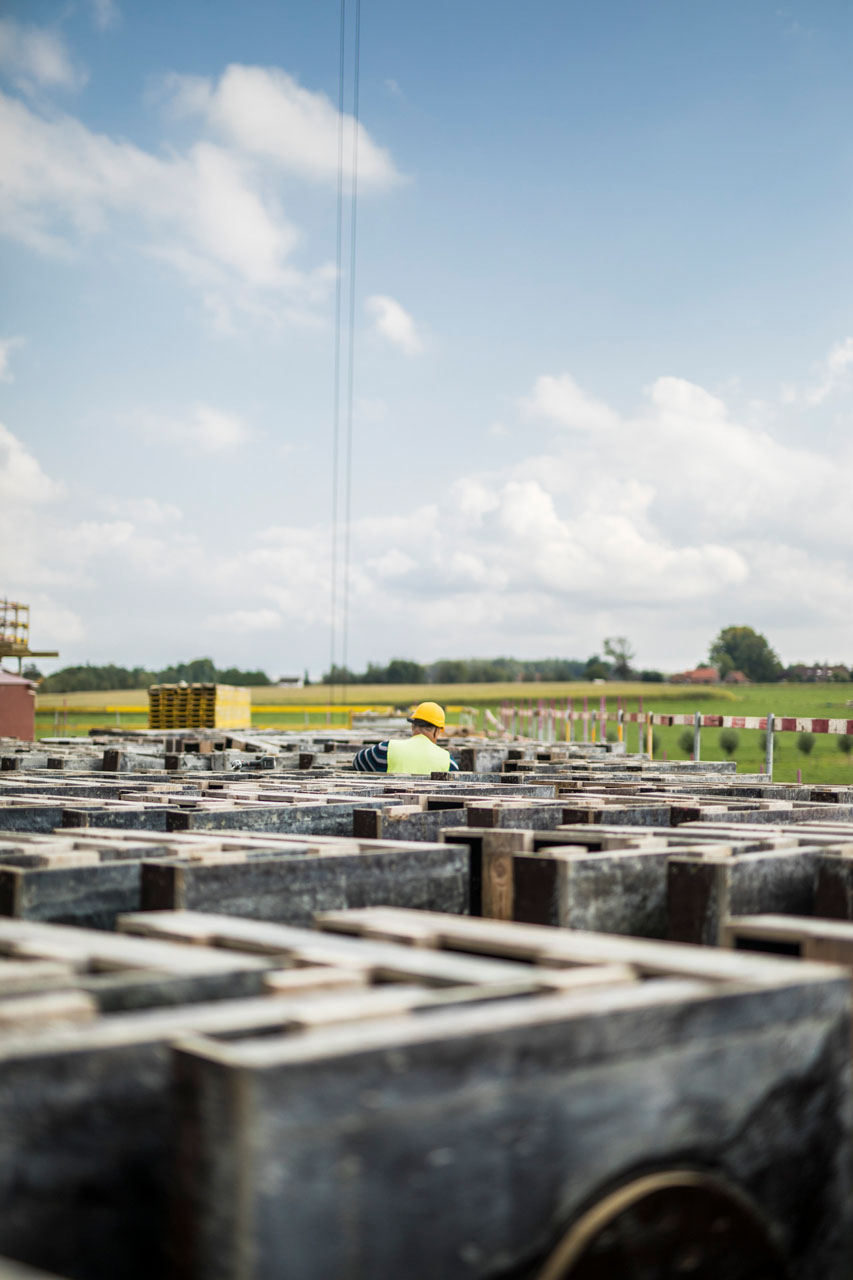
<point x="417" y="755"/>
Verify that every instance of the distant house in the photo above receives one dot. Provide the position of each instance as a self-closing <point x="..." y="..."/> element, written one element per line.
<point x="736" y="677"/>
<point x="701" y="675"/>
<point x="817" y="673"/>
<point x="292" y="682"/>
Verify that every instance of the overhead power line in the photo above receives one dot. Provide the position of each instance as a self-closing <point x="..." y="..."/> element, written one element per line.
<point x="341" y="543"/>
<point x="336" y="411"/>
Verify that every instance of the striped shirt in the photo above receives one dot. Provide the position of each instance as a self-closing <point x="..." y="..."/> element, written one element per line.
<point x="375" y="760"/>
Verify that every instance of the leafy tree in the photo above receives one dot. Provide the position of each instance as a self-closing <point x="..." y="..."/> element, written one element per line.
<point x="621" y="656"/>
<point x="462" y="671"/>
<point x="595" y="669"/>
<point x="404" y="671"/>
<point x="449" y="671"/>
<point x="805" y="743"/>
<point x="845" y="744"/>
<point x="233" y="675"/>
<point x="90" y="678"/>
<point x="31" y="672"/>
<point x="742" y="649"/>
<point x="685" y="742"/>
<point x="341" y="675"/>
<point x="651" y="677"/>
<point x="729" y="738"/>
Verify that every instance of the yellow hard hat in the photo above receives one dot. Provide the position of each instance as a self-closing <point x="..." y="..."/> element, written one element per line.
<point x="430" y="712"/>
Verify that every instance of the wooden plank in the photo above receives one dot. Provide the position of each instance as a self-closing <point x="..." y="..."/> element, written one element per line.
<point x="46" y="1009"/>
<point x="828" y="941"/>
<point x="540" y="944"/>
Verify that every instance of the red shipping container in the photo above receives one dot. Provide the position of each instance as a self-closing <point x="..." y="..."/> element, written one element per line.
<point x="17" y="707"/>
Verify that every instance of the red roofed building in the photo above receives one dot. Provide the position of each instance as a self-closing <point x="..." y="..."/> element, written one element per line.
<point x="701" y="675"/>
<point x="17" y="707"/>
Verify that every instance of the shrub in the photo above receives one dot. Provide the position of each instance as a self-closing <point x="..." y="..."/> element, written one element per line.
<point x="729" y="738"/>
<point x="685" y="742"/>
<point x="845" y="744"/>
<point x="805" y="743"/>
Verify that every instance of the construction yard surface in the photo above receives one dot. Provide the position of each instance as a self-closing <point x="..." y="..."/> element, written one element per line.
<point x="324" y="706"/>
<point x="570" y="1012"/>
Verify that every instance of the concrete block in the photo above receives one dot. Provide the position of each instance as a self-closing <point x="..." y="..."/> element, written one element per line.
<point x="290" y="889"/>
<point x="466" y="1145"/>
<point x="703" y="890"/>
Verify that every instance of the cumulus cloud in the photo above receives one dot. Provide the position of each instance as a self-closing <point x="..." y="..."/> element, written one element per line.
<point x="22" y="481"/>
<point x="672" y="521"/>
<point x="212" y="210"/>
<point x="203" y="428"/>
<point x="560" y="400"/>
<point x="393" y="323"/>
<point x="7" y="346"/>
<point x="63" y="182"/>
<point x="832" y="376"/>
<point x="36" y="58"/>
<point x="27" y="568"/>
<point x="265" y="112"/>
<point x="243" y="621"/>
<point x="105" y="13"/>
<point x="141" y="510"/>
<point x="835" y="372"/>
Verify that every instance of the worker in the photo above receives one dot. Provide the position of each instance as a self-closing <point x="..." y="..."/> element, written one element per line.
<point x="417" y="754"/>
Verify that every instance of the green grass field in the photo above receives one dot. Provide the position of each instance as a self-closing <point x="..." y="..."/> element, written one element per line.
<point x="76" y="713"/>
<point x="402" y="695"/>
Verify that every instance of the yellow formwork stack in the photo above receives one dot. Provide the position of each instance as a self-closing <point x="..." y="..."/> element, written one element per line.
<point x="199" y="706"/>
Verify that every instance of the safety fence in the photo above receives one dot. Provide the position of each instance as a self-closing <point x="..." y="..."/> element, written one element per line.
<point x="553" y="721"/>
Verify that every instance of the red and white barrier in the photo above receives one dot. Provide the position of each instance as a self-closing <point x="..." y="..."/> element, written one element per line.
<point x="781" y="724"/>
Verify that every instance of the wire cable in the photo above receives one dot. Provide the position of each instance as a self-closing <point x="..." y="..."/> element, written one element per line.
<point x="336" y="412"/>
<point x="351" y="351"/>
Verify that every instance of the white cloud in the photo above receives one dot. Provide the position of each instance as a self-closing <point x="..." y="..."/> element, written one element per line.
<point x="63" y="183"/>
<point x="561" y="400"/>
<point x="141" y="510"/>
<point x="833" y="375"/>
<point x="7" y="346"/>
<point x="202" y="428"/>
<point x="105" y="13"/>
<point x="36" y="57"/>
<point x="371" y="409"/>
<point x="265" y="112"/>
<point x="22" y="481"/>
<point x="394" y="323"/>
<point x="244" y="620"/>
<point x="211" y="212"/>
<point x="674" y="521"/>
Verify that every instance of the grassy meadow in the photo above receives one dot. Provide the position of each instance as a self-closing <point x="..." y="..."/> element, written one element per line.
<point x="319" y="705"/>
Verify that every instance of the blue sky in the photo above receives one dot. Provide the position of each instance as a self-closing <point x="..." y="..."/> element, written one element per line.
<point x="603" y="364"/>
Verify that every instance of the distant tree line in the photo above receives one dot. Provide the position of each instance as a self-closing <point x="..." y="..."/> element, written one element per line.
<point x="90" y="678"/>
<point x="734" y="649"/>
<point x="483" y="671"/>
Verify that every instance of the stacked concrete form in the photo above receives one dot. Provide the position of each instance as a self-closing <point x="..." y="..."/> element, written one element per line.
<point x="262" y="1016"/>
